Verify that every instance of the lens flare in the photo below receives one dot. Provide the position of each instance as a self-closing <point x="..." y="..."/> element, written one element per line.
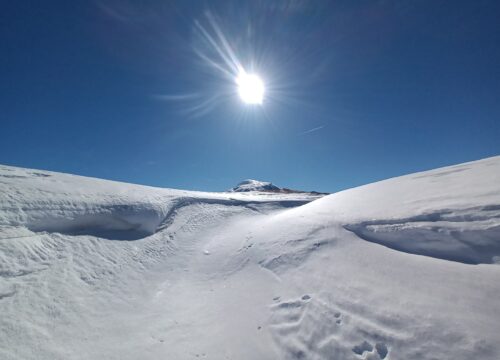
<point x="235" y="72"/>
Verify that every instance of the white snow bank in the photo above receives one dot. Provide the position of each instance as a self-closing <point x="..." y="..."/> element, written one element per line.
<point x="76" y="205"/>
<point x="470" y="235"/>
<point x="452" y="213"/>
<point x="356" y="299"/>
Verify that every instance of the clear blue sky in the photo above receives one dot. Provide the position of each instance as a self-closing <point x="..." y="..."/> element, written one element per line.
<point x="358" y="90"/>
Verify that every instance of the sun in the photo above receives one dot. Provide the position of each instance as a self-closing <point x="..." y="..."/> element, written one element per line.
<point x="250" y="88"/>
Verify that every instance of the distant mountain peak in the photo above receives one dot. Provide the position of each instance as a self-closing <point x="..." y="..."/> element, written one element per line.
<point x="266" y="186"/>
<point x="255" y="185"/>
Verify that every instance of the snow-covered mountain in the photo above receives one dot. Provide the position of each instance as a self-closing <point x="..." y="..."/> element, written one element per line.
<point x="254" y="185"/>
<point x="406" y="268"/>
<point x="257" y="186"/>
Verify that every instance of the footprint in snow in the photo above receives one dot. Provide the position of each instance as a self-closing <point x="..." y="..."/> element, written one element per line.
<point x="308" y="327"/>
<point x="289" y="311"/>
<point x="380" y="350"/>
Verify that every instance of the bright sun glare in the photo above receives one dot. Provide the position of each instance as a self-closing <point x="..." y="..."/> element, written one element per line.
<point x="250" y="88"/>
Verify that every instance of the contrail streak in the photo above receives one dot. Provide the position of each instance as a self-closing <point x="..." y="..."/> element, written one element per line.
<point x="312" y="130"/>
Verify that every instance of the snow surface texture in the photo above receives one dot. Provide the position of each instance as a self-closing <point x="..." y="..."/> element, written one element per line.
<point x="405" y="268"/>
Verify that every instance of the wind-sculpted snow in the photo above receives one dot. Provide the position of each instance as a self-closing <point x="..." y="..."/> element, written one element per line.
<point x="378" y="272"/>
<point x="73" y="205"/>
<point x="451" y="213"/>
<point x="470" y="236"/>
<point x="68" y="204"/>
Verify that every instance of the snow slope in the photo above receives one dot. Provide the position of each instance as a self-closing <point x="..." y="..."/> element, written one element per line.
<point x="405" y="268"/>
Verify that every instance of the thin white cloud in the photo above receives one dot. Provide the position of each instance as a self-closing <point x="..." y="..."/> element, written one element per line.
<point x="312" y="130"/>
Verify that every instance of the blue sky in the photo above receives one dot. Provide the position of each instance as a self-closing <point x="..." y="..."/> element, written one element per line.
<point x="358" y="91"/>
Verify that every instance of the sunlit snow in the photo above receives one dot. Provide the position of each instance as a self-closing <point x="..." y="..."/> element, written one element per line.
<point x="405" y="268"/>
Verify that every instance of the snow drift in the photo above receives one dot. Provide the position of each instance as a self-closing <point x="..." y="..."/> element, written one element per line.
<point x="403" y="268"/>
